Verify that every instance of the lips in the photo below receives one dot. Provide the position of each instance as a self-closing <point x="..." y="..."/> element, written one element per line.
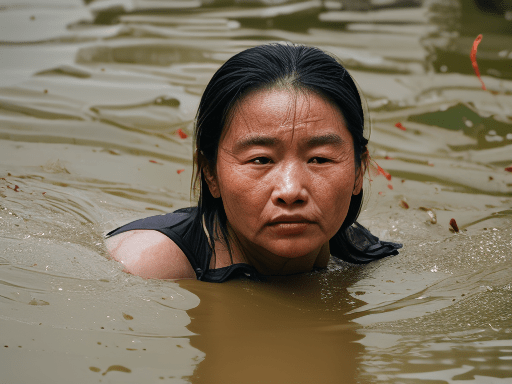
<point x="287" y="219"/>
<point x="289" y="225"/>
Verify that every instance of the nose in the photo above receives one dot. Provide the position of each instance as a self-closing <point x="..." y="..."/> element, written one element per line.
<point x="290" y="185"/>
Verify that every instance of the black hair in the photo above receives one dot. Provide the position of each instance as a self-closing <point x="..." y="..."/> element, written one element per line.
<point x="299" y="67"/>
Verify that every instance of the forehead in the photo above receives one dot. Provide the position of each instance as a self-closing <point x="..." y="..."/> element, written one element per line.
<point x="277" y="111"/>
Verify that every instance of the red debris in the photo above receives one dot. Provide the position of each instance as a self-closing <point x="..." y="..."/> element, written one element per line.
<point x="400" y="126"/>
<point x="390" y="186"/>
<point x="509" y="169"/>
<point x="453" y="224"/>
<point x="383" y="172"/>
<point x="180" y="170"/>
<point x="404" y="204"/>
<point x="182" y="134"/>
<point x="389" y="158"/>
<point x="155" y="162"/>
<point x="472" y="56"/>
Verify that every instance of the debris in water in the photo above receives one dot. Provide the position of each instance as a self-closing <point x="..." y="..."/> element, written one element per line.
<point x="400" y="126"/>
<point x="180" y="170"/>
<point x="38" y="302"/>
<point x="127" y="317"/>
<point x="94" y="369"/>
<point x="118" y="368"/>
<point x="431" y="213"/>
<point x="404" y="204"/>
<point x="473" y="59"/>
<point x="182" y="134"/>
<point x="453" y="224"/>
<point x="155" y="162"/>
<point x="383" y="172"/>
<point x="390" y="186"/>
<point x="509" y="169"/>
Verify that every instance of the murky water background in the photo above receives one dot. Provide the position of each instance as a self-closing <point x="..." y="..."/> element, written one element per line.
<point x="91" y="97"/>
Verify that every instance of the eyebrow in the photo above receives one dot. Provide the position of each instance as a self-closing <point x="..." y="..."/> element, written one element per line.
<point x="255" y="141"/>
<point x="329" y="139"/>
<point x="265" y="141"/>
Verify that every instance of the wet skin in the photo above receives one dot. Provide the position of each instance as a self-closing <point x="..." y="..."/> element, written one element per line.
<point x="286" y="173"/>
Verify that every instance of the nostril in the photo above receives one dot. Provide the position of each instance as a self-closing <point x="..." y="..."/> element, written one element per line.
<point x="295" y="202"/>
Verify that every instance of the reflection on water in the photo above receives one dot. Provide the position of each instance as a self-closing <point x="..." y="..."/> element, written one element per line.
<point x="92" y="97"/>
<point x="287" y="330"/>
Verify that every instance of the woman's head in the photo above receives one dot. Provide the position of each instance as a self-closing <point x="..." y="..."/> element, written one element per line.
<point x="282" y="95"/>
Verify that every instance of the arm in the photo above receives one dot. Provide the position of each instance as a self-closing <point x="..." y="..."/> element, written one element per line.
<point x="149" y="254"/>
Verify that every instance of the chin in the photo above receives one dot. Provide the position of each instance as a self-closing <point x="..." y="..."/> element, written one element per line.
<point x="293" y="248"/>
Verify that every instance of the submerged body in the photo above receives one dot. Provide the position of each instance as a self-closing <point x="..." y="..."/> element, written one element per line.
<point x="184" y="229"/>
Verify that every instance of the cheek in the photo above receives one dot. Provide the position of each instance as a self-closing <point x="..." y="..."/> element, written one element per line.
<point x="243" y="196"/>
<point x="335" y="194"/>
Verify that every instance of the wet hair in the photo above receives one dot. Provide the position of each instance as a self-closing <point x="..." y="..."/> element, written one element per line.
<point x="297" y="67"/>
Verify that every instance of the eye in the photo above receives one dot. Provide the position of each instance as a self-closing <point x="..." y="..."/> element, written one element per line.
<point x="261" y="160"/>
<point x="318" y="160"/>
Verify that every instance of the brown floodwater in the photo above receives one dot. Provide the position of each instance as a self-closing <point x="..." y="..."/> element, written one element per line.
<point x="92" y="94"/>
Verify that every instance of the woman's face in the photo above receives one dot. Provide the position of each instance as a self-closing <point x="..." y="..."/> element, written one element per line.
<point x="285" y="172"/>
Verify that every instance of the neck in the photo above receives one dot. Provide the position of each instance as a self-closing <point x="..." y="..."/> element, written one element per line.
<point x="276" y="265"/>
<point x="267" y="263"/>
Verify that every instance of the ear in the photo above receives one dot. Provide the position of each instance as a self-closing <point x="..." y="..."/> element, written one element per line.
<point x="211" y="180"/>
<point x="358" y="185"/>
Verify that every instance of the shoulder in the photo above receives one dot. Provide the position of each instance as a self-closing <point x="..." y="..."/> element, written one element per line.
<point x="149" y="254"/>
<point x="159" y="222"/>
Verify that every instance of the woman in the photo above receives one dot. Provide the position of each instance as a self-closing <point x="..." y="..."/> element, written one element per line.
<point x="280" y="160"/>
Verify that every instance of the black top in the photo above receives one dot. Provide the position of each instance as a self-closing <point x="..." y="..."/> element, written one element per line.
<point x="184" y="226"/>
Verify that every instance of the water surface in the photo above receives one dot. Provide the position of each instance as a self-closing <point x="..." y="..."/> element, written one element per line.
<point x="92" y="95"/>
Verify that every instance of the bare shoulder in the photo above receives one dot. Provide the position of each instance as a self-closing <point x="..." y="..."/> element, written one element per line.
<point x="149" y="254"/>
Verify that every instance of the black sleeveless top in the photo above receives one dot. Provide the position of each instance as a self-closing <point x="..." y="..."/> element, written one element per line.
<point x="184" y="226"/>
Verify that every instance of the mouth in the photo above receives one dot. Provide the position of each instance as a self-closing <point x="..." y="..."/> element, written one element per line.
<point x="289" y="219"/>
<point x="289" y="225"/>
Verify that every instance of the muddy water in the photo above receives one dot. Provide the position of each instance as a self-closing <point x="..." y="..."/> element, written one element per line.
<point x="91" y="97"/>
